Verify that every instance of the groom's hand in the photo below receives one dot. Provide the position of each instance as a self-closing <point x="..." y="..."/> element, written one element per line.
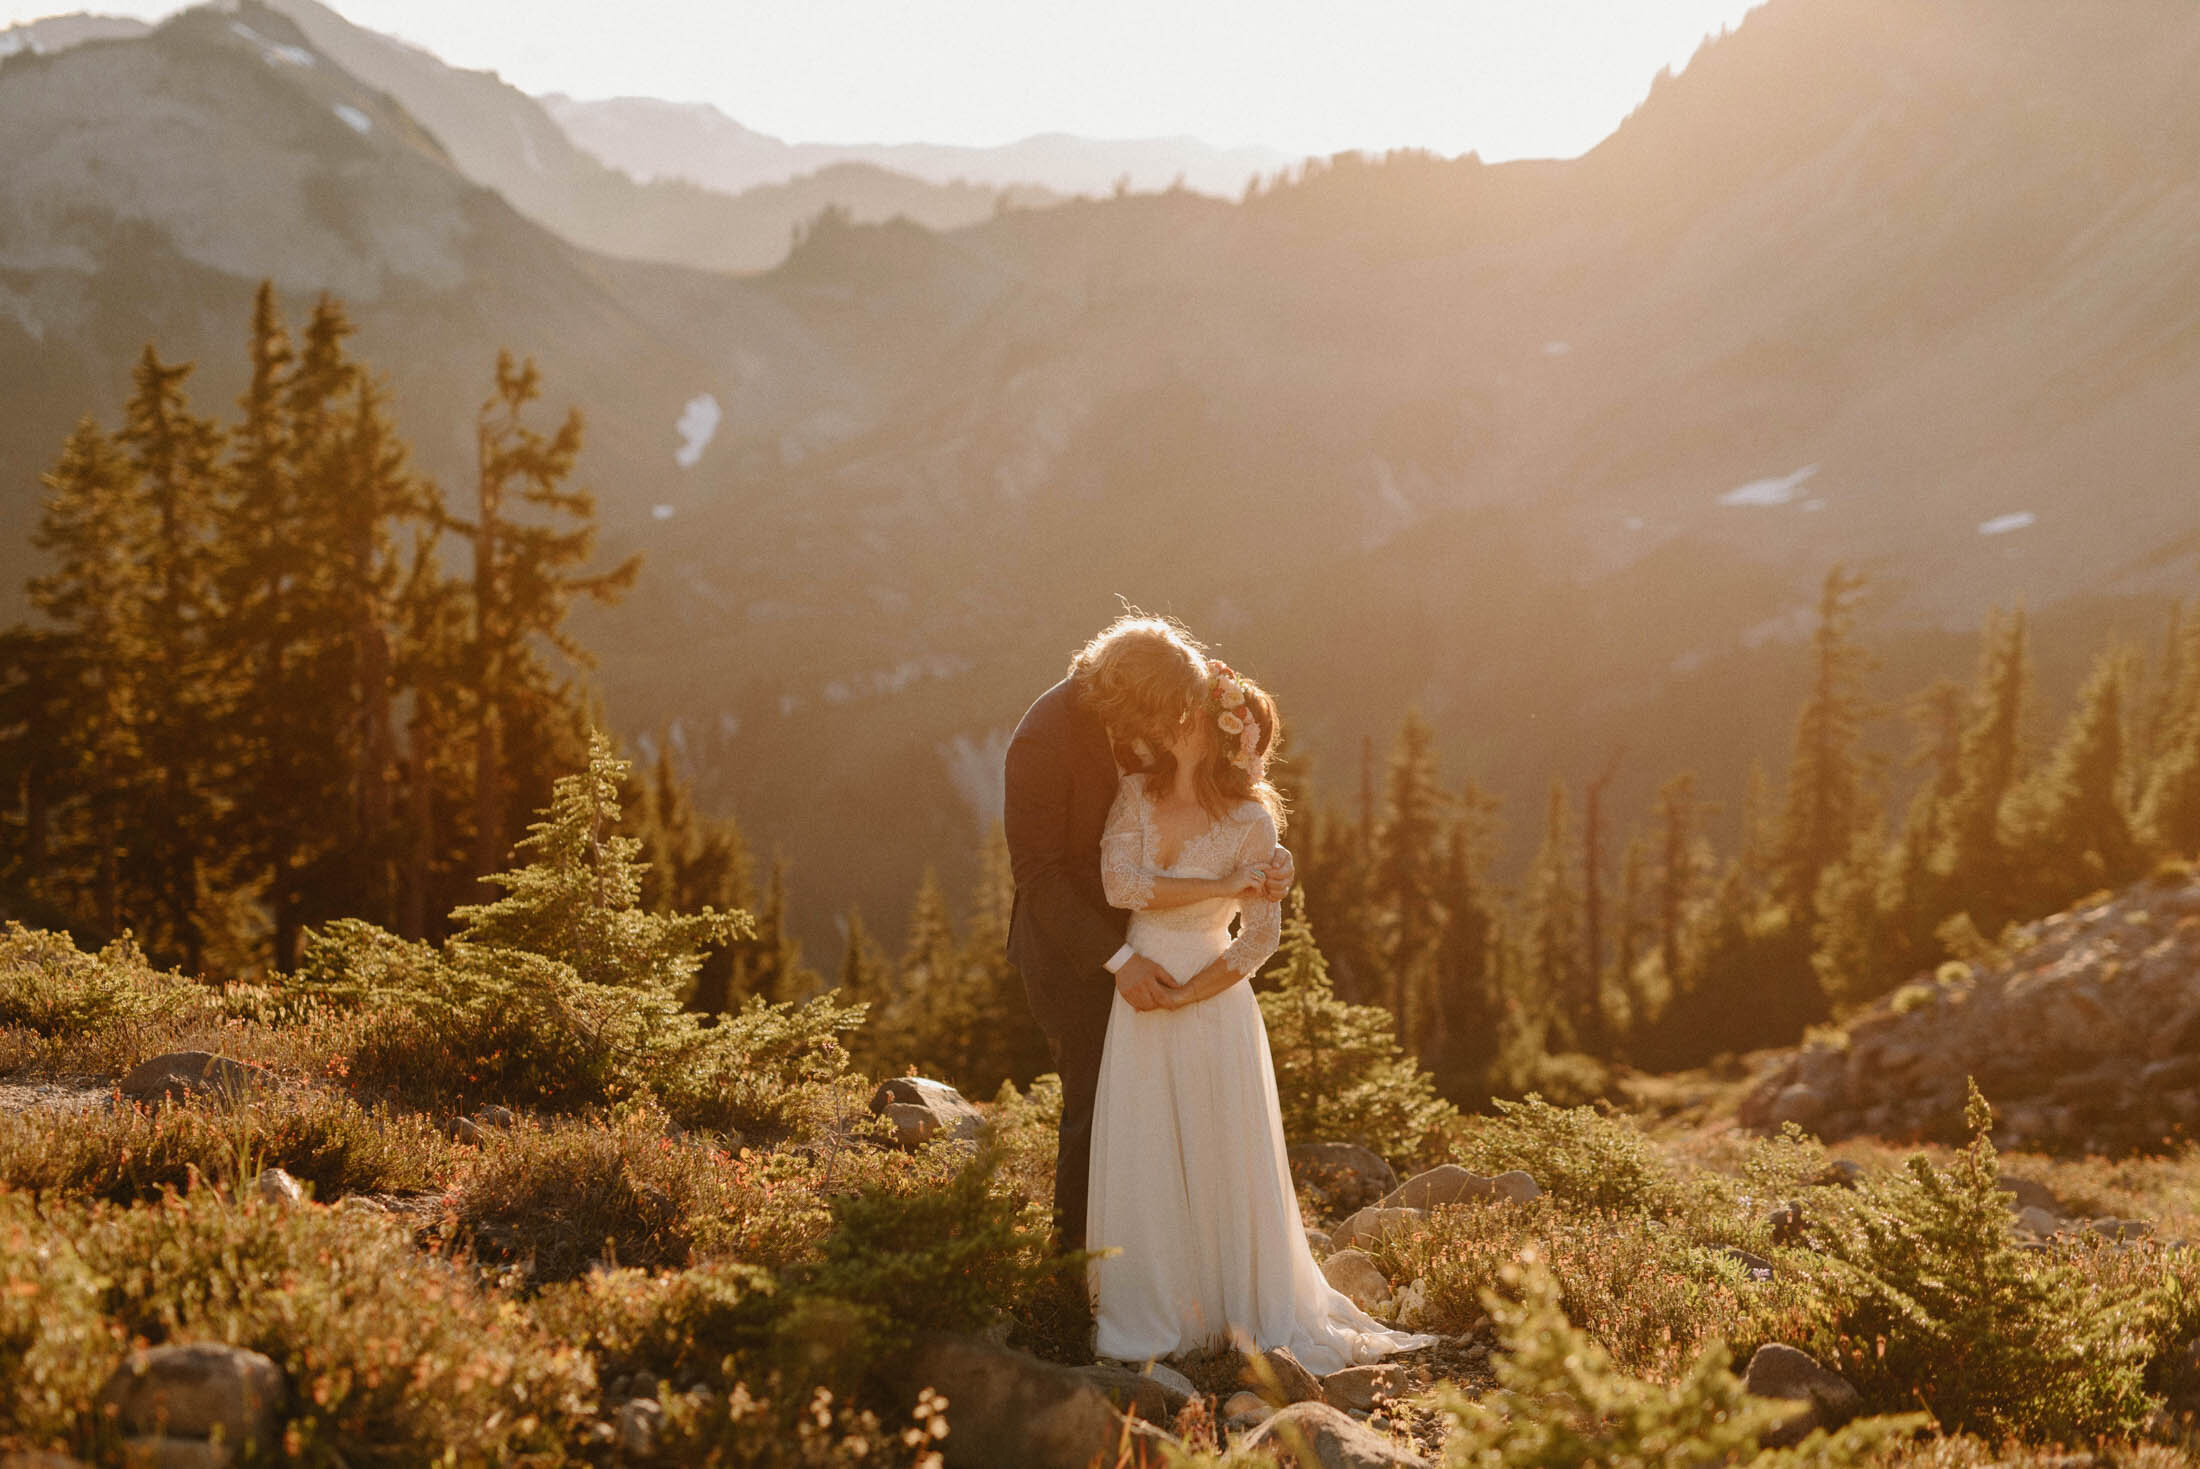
<point x="1282" y="872"/>
<point x="1144" y="983"/>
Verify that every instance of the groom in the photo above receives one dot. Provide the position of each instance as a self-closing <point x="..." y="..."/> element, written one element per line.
<point x="1138" y="681"/>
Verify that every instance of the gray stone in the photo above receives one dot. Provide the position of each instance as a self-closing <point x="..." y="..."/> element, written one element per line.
<point x="1376" y="1223"/>
<point x="1319" y="1242"/>
<point x="1805" y="1106"/>
<point x="1317" y="1436"/>
<point x="1354" y="1389"/>
<point x="2039" y="1221"/>
<point x="1842" y="1173"/>
<point x="1516" y="1187"/>
<point x="1757" y="1267"/>
<point x="1245" y="1410"/>
<point x="2026" y="1193"/>
<point x="2120" y="1229"/>
<point x="1170" y="1378"/>
<point x="1147" y="1396"/>
<point x="274" y="1186"/>
<point x="921" y="1109"/>
<point x="638" y="1423"/>
<point x="189" y="1073"/>
<point x="466" y="1130"/>
<point x="1009" y="1410"/>
<point x="495" y="1116"/>
<point x="1349" y="1176"/>
<point x="1353" y="1273"/>
<point x="1791" y="1375"/>
<point x="1279" y="1377"/>
<point x="359" y="1204"/>
<point x="1447" y="1183"/>
<point x="1786" y="1222"/>
<point x="192" y="1389"/>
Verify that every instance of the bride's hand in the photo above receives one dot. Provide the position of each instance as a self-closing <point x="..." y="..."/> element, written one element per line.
<point x="1249" y="881"/>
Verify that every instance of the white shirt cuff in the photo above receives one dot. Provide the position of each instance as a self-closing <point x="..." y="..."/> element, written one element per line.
<point x="1118" y="959"/>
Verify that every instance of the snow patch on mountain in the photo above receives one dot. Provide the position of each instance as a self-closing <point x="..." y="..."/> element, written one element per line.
<point x="2003" y="524"/>
<point x="1779" y="490"/>
<point x="977" y="770"/>
<point x="698" y="424"/>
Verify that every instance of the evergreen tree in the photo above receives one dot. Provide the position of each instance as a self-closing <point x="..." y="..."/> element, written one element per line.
<point x="2070" y="833"/>
<point x="1407" y="874"/>
<point x="1972" y="860"/>
<point x="865" y="978"/>
<point x="1005" y="1043"/>
<point x="175" y="455"/>
<point x="1677" y="876"/>
<point x="1630" y="929"/>
<point x="1468" y="967"/>
<point x="1825" y="790"/>
<point x="1554" y="922"/>
<point x="771" y="959"/>
<point x="2169" y="810"/>
<point x="1586" y="1016"/>
<point x="1334" y="873"/>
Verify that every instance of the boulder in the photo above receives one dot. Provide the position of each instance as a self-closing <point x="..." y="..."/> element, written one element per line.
<point x="1009" y="1410"/>
<point x="2026" y="1193"/>
<point x="1176" y="1382"/>
<point x="1516" y="1187"/>
<point x="1279" y="1377"/>
<point x="1353" y="1273"/>
<point x="1317" y="1436"/>
<point x="1245" y="1410"/>
<point x="466" y="1130"/>
<point x="1803" y="1105"/>
<point x="188" y="1390"/>
<point x="637" y="1425"/>
<point x="495" y="1116"/>
<point x="1842" y="1173"/>
<point x="1786" y="1222"/>
<point x="274" y="1186"/>
<point x="921" y="1109"/>
<point x="1781" y="1371"/>
<point x="1355" y="1388"/>
<point x="1375" y="1223"/>
<point x="1319" y="1242"/>
<point x="1145" y="1394"/>
<point x="1347" y="1175"/>
<point x="1756" y="1267"/>
<point x="1447" y="1183"/>
<point x="2038" y="1221"/>
<point x="187" y="1073"/>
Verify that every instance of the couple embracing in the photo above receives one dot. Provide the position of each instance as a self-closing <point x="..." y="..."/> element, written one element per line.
<point x="1141" y="825"/>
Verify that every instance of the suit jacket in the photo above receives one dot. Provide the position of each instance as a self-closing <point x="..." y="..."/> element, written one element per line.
<point x="1062" y="931"/>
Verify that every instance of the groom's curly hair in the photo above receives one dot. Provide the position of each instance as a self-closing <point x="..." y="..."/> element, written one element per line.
<point x="1142" y="675"/>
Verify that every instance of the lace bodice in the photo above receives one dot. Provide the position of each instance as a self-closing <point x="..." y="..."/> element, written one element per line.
<point x="1130" y="861"/>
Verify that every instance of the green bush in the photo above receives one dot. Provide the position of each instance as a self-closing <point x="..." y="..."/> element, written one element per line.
<point x="1577" y="1154"/>
<point x="393" y="1357"/>
<point x="127" y="1153"/>
<point x="1560" y="1401"/>
<point x="1933" y="1302"/>
<point x="50" y="987"/>
<point x="56" y="1347"/>
<point x="1340" y="1075"/>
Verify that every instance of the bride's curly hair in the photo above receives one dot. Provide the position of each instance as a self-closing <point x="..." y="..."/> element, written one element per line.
<point x="1221" y="784"/>
<point x="1143" y="676"/>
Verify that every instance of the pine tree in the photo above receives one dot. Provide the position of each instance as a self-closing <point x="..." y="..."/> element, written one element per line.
<point x="1406" y="875"/>
<point x="865" y="978"/>
<point x="1554" y="921"/>
<point x="579" y="900"/>
<point x="2169" y="811"/>
<point x="2070" y="833"/>
<point x="1825" y="790"/>
<point x="1468" y="967"/>
<point x="1634" y="870"/>
<point x="1586" y="1005"/>
<point x="1005" y="1043"/>
<point x="770" y="961"/>
<point x="1972" y="860"/>
<point x="531" y="533"/>
<point x="1677" y="875"/>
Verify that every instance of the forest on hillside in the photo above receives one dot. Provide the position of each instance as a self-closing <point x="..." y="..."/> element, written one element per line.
<point x="277" y="679"/>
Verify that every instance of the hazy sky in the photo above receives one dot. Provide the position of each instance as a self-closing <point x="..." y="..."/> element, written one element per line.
<point x="1508" y="78"/>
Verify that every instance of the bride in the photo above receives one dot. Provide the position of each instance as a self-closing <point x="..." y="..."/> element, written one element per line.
<point x="1191" y="1191"/>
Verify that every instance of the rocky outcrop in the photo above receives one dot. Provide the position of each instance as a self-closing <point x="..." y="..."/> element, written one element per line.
<point x="193" y="1392"/>
<point x="921" y="1109"/>
<point x="2084" y="1035"/>
<point x="1009" y="1410"/>
<point x="1317" y="1436"/>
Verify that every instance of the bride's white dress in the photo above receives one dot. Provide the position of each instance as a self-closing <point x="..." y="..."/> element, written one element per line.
<point x="1190" y="1184"/>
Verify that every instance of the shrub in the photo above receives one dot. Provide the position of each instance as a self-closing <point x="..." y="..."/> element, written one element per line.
<point x="1933" y="1303"/>
<point x="1577" y="1154"/>
<point x="127" y="1153"/>
<point x="55" y="1347"/>
<point x="1340" y="1075"/>
<point x="49" y="986"/>
<point x="1560" y="1401"/>
<point x="564" y="1194"/>
<point x="393" y="1357"/>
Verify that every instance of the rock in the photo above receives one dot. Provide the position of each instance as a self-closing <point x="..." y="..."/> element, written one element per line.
<point x="1009" y="1410"/>
<point x="2028" y="1193"/>
<point x="359" y="1204"/>
<point x="1805" y="1106"/>
<point x="921" y="1109"/>
<point x="1144" y="1394"/>
<point x="1784" y="1372"/>
<point x="466" y="1130"/>
<point x="495" y="1116"/>
<point x="1353" y="1273"/>
<point x="1279" y="1377"/>
<point x="189" y="1389"/>
<point x="1175" y="1381"/>
<point x="1842" y="1173"/>
<point x="1244" y="1410"/>
<point x="274" y="1186"/>
<point x="1375" y="1223"/>
<point x="1347" y="1175"/>
<point x="2120" y="1229"/>
<point x="1319" y="1242"/>
<point x="1447" y="1183"/>
<point x="1317" y="1436"/>
<point x="1412" y="1304"/>
<point x="638" y="1423"/>
<point x="186" y="1073"/>
<point x="1516" y="1187"/>
<point x="2038" y="1221"/>
<point x="1786" y="1222"/>
<point x="1355" y="1388"/>
<point x="1757" y="1267"/>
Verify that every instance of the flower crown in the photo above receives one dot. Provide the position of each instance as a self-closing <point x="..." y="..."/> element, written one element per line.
<point x="1226" y="697"/>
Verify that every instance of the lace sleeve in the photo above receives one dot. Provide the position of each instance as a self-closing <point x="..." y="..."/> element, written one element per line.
<point x="1260" y="923"/>
<point x="1124" y="875"/>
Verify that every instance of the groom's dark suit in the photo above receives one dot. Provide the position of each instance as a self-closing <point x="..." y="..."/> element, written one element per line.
<point x="1061" y="782"/>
